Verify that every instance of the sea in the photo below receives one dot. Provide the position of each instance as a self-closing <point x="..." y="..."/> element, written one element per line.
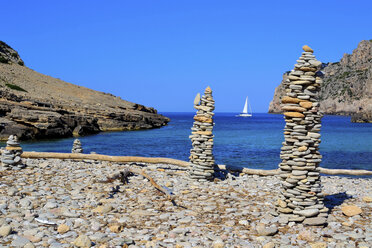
<point x="252" y="142"/>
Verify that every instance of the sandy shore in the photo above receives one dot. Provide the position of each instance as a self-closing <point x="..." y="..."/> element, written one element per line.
<point x="61" y="203"/>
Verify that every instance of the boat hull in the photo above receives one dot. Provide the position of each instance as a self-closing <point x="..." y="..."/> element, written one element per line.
<point x="244" y="115"/>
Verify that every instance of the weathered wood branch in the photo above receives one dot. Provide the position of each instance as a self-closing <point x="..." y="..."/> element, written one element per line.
<point x="345" y="172"/>
<point x="152" y="181"/>
<point x="119" y="159"/>
<point x="128" y="159"/>
<point x="249" y="171"/>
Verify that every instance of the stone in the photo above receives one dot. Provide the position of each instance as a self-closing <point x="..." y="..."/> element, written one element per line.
<point x="351" y="210"/>
<point x="306" y="105"/>
<point x="302" y="148"/>
<point x="116" y="228"/>
<point x="203" y="119"/>
<point x="218" y="244"/>
<point x="83" y="241"/>
<point x="282" y="203"/>
<point x="315" y="221"/>
<point x="262" y="230"/>
<point x="19" y="242"/>
<point x="102" y="209"/>
<point x="5" y="230"/>
<point x="29" y="245"/>
<point x="287" y="99"/>
<point x="63" y="228"/>
<point x="367" y="199"/>
<point x="306" y="235"/>
<point x="197" y="99"/>
<point x="307" y="212"/>
<point x="318" y="245"/>
<point x="269" y="245"/>
<point x="208" y="90"/>
<point x="306" y="48"/>
<point x="293" y="108"/>
<point x="294" y="114"/>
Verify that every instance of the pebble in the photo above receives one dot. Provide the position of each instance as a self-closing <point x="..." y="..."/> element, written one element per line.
<point x="83" y="241"/>
<point x="5" y="230"/>
<point x="351" y="210"/>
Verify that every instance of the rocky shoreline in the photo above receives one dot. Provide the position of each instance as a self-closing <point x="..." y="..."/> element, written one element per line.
<point x="64" y="203"/>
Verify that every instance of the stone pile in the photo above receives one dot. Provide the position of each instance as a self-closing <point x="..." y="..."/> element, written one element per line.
<point x="76" y="147"/>
<point x="301" y="197"/>
<point x="11" y="155"/>
<point x="201" y="155"/>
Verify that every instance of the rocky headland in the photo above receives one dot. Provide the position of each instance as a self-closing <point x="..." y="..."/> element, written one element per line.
<point x="34" y="105"/>
<point x="347" y="86"/>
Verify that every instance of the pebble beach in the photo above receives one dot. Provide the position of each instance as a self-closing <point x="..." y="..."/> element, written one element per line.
<point x="64" y="203"/>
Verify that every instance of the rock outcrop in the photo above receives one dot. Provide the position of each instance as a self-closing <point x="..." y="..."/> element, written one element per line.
<point x="347" y="88"/>
<point x="34" y="106"/>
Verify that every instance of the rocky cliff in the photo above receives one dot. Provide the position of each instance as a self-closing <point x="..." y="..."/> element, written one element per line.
<point x="347" y="87"/>
<point x="33" y="105"/>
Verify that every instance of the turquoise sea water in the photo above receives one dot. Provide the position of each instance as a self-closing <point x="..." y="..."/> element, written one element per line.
<point x="252" y="142"/>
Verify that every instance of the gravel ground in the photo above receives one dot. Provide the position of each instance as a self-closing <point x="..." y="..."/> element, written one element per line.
<point x="63" y="203"/>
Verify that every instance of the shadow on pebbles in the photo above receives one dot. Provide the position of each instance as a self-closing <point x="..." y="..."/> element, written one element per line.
<point x="64" y="203"/>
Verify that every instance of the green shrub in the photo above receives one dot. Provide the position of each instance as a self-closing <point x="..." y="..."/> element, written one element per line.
<point x="3" y="60"/>
<point x="15" y="87"/>
<point x="21" y="63"/>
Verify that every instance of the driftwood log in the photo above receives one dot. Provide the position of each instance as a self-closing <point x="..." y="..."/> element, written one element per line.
<point x="119" y="159"/>
<point x="128" y="159"/>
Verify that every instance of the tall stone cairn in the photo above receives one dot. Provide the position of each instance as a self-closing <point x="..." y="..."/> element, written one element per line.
<point x="301" y="198"/>
<point x="201" y="154"/>
<point x="11" y="155"/>
<point x="76" y="147"/>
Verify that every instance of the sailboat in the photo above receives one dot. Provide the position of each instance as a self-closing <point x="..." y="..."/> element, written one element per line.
<point x="245" y="110"/>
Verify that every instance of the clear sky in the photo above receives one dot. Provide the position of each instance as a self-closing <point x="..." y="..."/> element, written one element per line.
<point x="161" y="53"/>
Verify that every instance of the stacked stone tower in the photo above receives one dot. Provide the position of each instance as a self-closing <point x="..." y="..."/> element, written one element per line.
<point x="11" y="155"/>
<point x="201" y="158"/>
<point x="76" y="147"/>
<point x="301" y="197"/>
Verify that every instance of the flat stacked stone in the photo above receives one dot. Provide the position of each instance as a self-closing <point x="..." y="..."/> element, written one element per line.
<point x="76" y="147"/>
<point x="201" y="154"/>
<point x="301" y="197"/>
<point x="11" y="155"/>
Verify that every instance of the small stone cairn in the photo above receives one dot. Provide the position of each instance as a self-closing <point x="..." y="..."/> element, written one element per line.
<point x="301" y="197"/>
<point x="11" y="155"/>
<point x="76" y="147"/>
<point x="201" y="155"/>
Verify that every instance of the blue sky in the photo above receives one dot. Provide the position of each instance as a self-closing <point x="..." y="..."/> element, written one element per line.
<point x="161" y="53"/>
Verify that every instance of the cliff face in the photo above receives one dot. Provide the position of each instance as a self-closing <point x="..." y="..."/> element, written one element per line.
<point x="347" y="87"/>
<point x="33" y="105"/>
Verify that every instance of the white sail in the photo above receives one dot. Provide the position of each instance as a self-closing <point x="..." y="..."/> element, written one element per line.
<point x="245" y="109"/>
